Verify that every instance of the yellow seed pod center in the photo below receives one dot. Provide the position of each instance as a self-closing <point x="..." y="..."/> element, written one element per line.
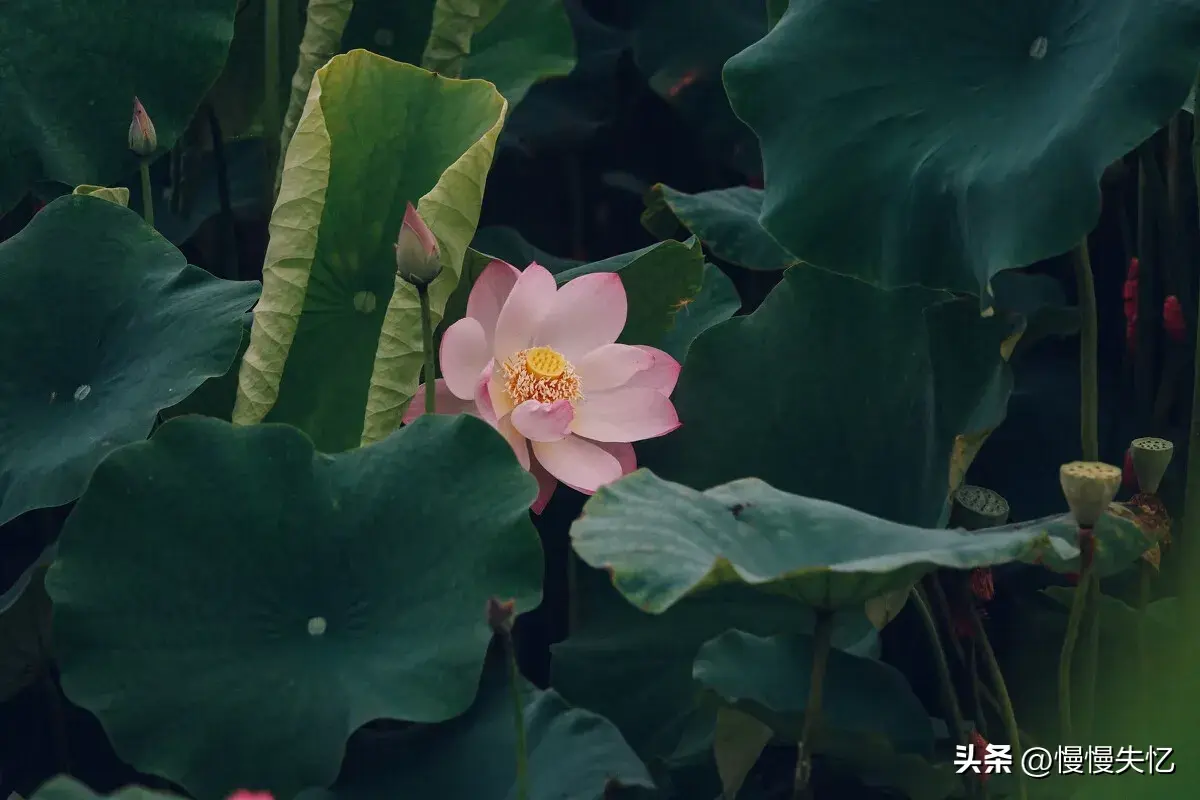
<point x="544" y="362"/>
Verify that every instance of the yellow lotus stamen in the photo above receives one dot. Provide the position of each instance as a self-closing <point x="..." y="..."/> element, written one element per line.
<point x="542" y="374"/>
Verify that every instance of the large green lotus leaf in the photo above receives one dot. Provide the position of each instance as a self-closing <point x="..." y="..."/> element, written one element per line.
<point x="636" y="669"/>
<point x="278" y="598"/>
<point x="726" y="220"/>
<point x="507" y="244"/>
<point x="716" y="301"/>
<point x="770" y="677"/>
<point x="943" y="165"/>
<point x="337" y="336"/>
<point x="65" y="787"/>
<point x="663" y="541"/>
<point x="102" y="324"/>
<point x="572" y="753"/>
<point x="526" y="42"/>
<point x="69" y="73"/>
<point x="834" y="388"/>
<point x="872" y="721"/>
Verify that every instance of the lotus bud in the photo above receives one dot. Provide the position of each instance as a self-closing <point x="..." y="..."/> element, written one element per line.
<point x="976" y="507"/>
<point x="417" y="258"/>
<point x="143" y="141"/>
<point x="1089" y="486"/>
<point x="1151" y="457"/>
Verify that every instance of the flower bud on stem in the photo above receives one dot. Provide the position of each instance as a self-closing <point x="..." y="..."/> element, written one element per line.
<point x="143" y="141"/>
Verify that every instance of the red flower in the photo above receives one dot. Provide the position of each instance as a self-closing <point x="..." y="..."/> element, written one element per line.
<point x="1072" y="578"/>
<point x="1173" y="322"/>
<point x="246" y="794"/>
<point x="982" y="584"/>
<point x="1128" y="476"/>
<point x="1129" y="294"/>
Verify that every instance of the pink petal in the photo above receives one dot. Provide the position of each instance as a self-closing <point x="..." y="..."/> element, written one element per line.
<point x="444" y="401"/>
<point x="543" y="422"/>
<point x="588" y="312"/>
<point x="501" y="403"/>
<point x="518" y="442"/>
<point x="483" y="395"/>
<point x="623" y="453"/>
<point x="463" y="356"/>
<point x="489" y="292"/>
<point x="413" y="221"/>
<point x="611" y="366"/>
<point x="577" y="462"/>
<point x="628" y="414"/>
<point x="547" y="483"/>
<point x="531" y="297"/>
<point x="662" y="375"/>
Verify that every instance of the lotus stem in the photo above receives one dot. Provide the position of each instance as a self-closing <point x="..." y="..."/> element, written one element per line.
<point x="1091" y="656"/>
<point x="822" y="642"/>
<point x="1006" y="708"/>
<point x="518" y="707"/>
<point x="1078" y="604"/>
<point x="147" y="191"/>
<point x="1144" y="588"/>
<point x="1088" y="339"/>
<point x="427" y="335"/>
<point x="271" y="69"/>
<point x="977" y="690"/>
<point x="949" y="696"/>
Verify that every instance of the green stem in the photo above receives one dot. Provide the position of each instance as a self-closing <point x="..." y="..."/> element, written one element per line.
<point x="1078" y="604"/>
<point x="147" y="192"/>
<point x="1088" y="338"/>
<point x="1006" y="708"/>
<point x="427" y="334"/>
<point x="977" y="690"/>
<point x="822" y="641"/>
<point x="271" y="72"/>
<point x="518" y="707"/>
<point x="1091" y="657"/>
<point x="1144" y="587"/>
<point x="949" y="696"/>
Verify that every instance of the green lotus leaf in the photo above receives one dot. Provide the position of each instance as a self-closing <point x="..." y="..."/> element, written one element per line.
<point x="663" y="541"/>
<point x="65" y="787"/>
<point x="894" y="167"/>
<point x="278" y="598"/>
<point x="836" y="389"/>
<point x="716" y="302"/>
<point x="769" y="678"/>
<point x="726" y="220"/>
<point x="572" y="753"/>
<point x="102" y="324"/>
<point x="69" y="73"/>
<point x="873" y="725"/>
<point x="336" y="344"/>
<point x="636" y="669"/>
<point x="527" y="41"/>
<point x="507" y="244"/>
<point x="1120" y="541"/>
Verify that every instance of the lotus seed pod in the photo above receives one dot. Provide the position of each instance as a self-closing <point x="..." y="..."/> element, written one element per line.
<point x="1151" y="457"/>
<point x="976" y="507"/>
<point x="143" y="141"/>
<point x="1089" y="487"/>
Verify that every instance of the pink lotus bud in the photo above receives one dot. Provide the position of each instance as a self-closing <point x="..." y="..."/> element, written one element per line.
<point x="143" y="141"/>
<point x="417" y="258"/>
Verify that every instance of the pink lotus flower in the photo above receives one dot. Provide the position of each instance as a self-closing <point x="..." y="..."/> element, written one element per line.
<point x="246" y="794"/>
<point x="540" y="364"/>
